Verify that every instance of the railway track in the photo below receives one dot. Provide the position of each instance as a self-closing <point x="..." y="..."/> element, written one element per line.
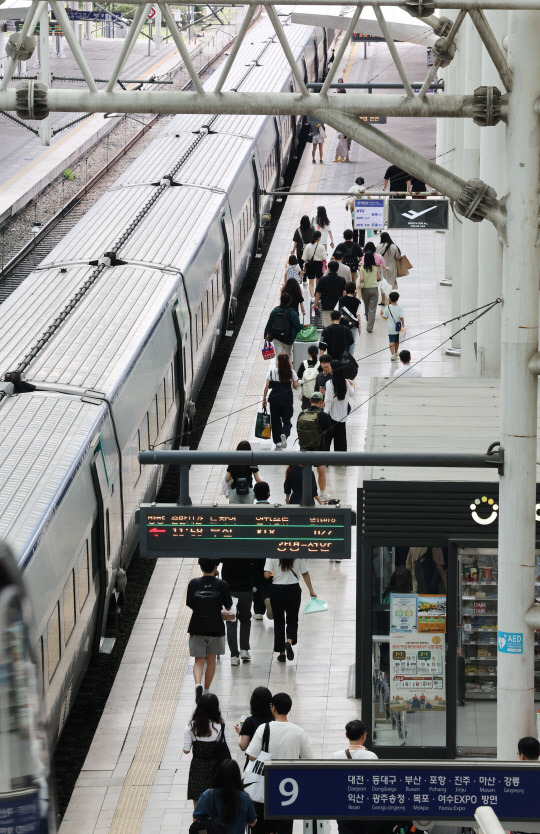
<point x="45" y="238"/>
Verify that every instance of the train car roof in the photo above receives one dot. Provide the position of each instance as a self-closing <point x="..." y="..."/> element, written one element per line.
<point x="42" y="435"/>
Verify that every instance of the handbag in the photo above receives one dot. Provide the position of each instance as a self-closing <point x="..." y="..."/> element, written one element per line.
<point x="210" y="824"/>
<point x="268" y="351"/>
<point x="307" y="334"/>
<point x="403" y="265"/>
<point x="263" y="428"/>
<point x="222" y="748"/>
<point x="322" y="132"/>
<point x="253" y="775"/>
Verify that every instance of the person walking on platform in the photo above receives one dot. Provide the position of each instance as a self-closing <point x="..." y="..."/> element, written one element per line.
<point x="240" y="478"/>
<point x="406" y="367"/>
<point x="394" y="316"/>
<point x="227" y="800"/>
<point x="318" y="135"/>
<point x="528" y="749"/>
<point x="259" y="713"/>
<point x="294" y="289"/>
<point x="206" y="596"/>
<point x="352" y="252"/>
<point x="356" y="192"/>
<point x="293" y="486"/>
<point x="338" y="395"/>
<point x="337" y="339"/>
<point x="314" y="256"/>
<point x="328" y="292"/>
<point x="343" y="270"/>
<point x="355" y="732"/>
<point x="285" y="597"/>
<point x="261" y="586"/>
<point x="307" y="374"/>
<point x="314" y="429"/>
<point x="281" y="380"/>
<point x="206" y="737"/>
<point x="302" y="236"/>
<point x="323" y="226"/>
<point x="324" y="374"/>
<point x="286" y="741"/>
<point x="396" y="178"/>
<point x="390" y="252"/>
<point x="369" y="278"/>
<point x="239" y="574"/>
<point x="349" y="307"/>
<point x="283" y="326"/>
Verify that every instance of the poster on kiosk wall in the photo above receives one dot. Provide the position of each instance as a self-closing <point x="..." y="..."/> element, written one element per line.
<point x="417" y="672"/>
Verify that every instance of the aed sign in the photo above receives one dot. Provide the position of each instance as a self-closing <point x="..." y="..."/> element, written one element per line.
<point x="510" y="642"/>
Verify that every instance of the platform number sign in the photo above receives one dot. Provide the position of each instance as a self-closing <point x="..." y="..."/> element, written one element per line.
<point x="288" y="789"/>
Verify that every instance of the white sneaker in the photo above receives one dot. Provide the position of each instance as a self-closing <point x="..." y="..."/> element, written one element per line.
<point x="283" y="442"/>
<point x="245" y="655"/>
<point x="278" y="447"/>
<point x="235" y="660"/>
<point x="257" y="616"/>
<point x="324" y="497"/>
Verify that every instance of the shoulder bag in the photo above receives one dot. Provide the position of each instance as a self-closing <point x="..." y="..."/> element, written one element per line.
<point x="222" y="748"/>
<point x="397" y="324"/>
<point x="403" y="265"/>
<point x="253" y="775"/>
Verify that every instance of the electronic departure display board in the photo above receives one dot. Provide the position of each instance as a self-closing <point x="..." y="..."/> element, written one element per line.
<point x="245" y="531"/>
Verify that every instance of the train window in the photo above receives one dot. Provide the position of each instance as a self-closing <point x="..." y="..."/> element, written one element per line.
<point x="53" y="641"/>
<point x="83" y="575"/>
<point x="184" y="363"/>
<point x="39" y="666"/>
<point x="152" y="421"/>
<point x="107" y="534"/>
<point x="69" y="607"/>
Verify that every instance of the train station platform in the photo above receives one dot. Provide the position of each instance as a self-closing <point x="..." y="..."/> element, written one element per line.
<point x="26" y="166"/>
<point x="135" y="776"/>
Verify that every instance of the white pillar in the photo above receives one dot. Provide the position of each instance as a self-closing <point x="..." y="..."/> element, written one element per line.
<point x="455" y="239"/>
<point x="519" y="388"/>
<point x="490" y="249"/>
<point x="445" y="158"/>
<point x="45" y="130"/>
<point x="158" y="40"/>
<point x="88" y="23"/>
<point x="472" y="59"/>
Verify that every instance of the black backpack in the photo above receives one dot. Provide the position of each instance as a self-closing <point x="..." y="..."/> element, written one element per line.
<point x="350" y="365"/>
<point x="349" y="258"/>
<point x="208" y="596"/>
<point x="281" y="325"/>
<point x="209" y="825"/>
<point x="241" y="485"/>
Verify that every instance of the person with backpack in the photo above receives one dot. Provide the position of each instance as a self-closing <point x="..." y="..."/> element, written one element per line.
<point x="307" y="374"/>
<point x="338" y="395"/>
<point x="206" y="737"/>
<point x="240" y="478"/>
<point x="314" y="255"/>
<point x="314" y="429"/>
<point x="337" y="339"/>
<point x="206" y="596"/>
<point x="328" y="292"/>
<point x="369" y="279"/>
<point x="352" y="252"/>
<point x="349" y="307"/>
<point x="294" y="289"/>
<point x="302" y="236"/>
<point x="227" y="801"/>
<point x="395" y="323"/>
<point x="280" y="380"/>
<point x="283" y="326"/>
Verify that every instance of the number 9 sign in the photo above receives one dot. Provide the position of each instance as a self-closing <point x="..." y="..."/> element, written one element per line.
<point x="289" y="789"/>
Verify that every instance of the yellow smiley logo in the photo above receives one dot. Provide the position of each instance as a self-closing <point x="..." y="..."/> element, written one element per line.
<point x="484" y="503"/>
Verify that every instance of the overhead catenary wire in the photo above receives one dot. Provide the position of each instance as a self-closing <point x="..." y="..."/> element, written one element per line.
<point x="485" y="308"/>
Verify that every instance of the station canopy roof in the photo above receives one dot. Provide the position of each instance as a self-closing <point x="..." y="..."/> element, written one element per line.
<point x="402" y="26"/>
<point x="14" y="9"/>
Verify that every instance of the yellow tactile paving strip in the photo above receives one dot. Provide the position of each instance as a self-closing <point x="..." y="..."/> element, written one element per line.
<point x="133" y="799"/>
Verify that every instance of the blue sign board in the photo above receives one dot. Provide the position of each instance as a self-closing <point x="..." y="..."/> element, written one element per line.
<point x="510" y="642"/>
<point x="368" y="789"/>
<point x="20" y="812"/>
<point x="75" y="14"/>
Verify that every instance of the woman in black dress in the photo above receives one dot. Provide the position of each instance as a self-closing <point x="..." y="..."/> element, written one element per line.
<point x="207" y="737"/>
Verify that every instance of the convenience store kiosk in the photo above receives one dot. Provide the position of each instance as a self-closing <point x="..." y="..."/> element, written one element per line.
<point x="427" y="578"/>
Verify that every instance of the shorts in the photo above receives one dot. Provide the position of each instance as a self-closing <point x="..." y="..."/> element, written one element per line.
<point x="393" y="338"/>
<point x="201" y="645"/>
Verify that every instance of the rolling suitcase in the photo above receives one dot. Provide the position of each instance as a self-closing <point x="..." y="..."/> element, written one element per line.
<point x="300" y="347"/>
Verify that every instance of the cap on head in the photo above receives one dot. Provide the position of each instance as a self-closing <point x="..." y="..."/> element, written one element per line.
<point x="316" y="397"/>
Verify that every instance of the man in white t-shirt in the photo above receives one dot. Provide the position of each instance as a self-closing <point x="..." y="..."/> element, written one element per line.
<point x="356" y="732"/>
<point x="287" y="741"/>
<point x="406" y="367"/>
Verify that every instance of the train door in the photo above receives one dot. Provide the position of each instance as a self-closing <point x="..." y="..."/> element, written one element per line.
<point x="228" y="318"/>
<point x="315" y="60"/>
<point x="278" y="152"/>
<point x="102" y="538"/>
<point x="325" y="56"/>
<point x="180" y="321"/>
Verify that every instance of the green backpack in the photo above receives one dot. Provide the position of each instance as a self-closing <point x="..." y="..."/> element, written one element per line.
<point x="309" y="430"/>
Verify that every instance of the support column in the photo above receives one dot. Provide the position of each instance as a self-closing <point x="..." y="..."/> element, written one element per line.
<point x="45" y="130"/>
<point x="519" y="388"/>
<point x="490" y="248"/>
<point x="455" y="238"/>
<point x="472" y="59"/>
<point x="445" y="158"/>
<point x="158" y="40"/>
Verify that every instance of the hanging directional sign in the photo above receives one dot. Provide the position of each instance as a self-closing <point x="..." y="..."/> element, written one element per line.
<point x="369" y="214"/>
<point x="417" y="214"/>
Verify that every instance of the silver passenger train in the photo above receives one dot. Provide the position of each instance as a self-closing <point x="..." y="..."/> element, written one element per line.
<point x="116" y="330"/>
